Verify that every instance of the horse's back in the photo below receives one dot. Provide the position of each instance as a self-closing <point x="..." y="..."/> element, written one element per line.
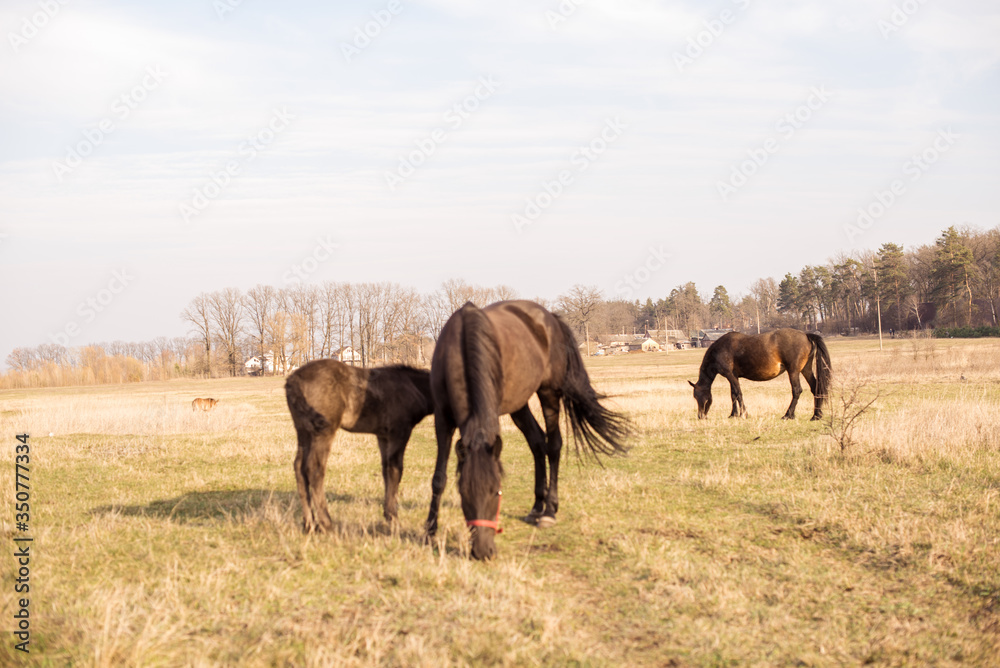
<point x="333" y="389"/>
<point x="766" y="356"/>
<point x="526" y="335"/>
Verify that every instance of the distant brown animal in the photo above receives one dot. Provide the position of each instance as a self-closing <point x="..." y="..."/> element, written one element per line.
<point x="326" y="395"/>
<point x="204" y="404"/>
<point x="764" y="357"/>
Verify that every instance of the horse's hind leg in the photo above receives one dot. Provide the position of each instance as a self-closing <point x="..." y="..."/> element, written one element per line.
<point x="526" y="422"/>
<point x="553" y="447"/>
<point x="301" y="455"/>
<point x="315" y="471"/>
<point x="817" y="400"/>
<point x="392" y="448"/>
<point x="793" y="377"/>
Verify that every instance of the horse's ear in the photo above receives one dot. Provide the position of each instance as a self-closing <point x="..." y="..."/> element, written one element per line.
<point x="691" y="384"/>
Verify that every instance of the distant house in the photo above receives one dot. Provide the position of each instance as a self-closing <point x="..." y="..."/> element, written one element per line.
<point x="257" y="366"/>
<point x="706" y="337"/>
<point x="650" y="345"/>
<point x="347" y="355"/>
<point x="253" y="366"/>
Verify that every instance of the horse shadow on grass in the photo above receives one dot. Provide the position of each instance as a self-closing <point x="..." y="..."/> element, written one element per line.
<point x="248" y="506"/>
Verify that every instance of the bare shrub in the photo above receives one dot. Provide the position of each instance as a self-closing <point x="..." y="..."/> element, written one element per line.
<point x="852" y="399"/>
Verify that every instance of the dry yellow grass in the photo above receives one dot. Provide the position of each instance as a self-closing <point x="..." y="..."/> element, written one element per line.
<point x="168" y="537"/>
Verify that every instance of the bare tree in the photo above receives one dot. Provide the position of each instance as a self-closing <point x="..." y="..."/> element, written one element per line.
<point x="258" y="304"/>
<point x="226" y="311"/>
<point x="305" y="301"/>
<point x="198" y="313"/>
<point x="277" y="332"/>
<point x="372" y="300"/>
<point x="436" y="311"/>
<point x="503" y="293"/>
<point x="22" y="359"/>
<point x="764" y="293"/>
<point x="579" y="306"/>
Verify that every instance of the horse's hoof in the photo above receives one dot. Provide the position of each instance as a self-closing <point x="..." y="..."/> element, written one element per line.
<point x="546" y="522"/>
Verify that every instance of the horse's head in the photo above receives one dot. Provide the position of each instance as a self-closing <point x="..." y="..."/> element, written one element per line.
<point x="703" y="395"/>
<point x="479" y="475"/>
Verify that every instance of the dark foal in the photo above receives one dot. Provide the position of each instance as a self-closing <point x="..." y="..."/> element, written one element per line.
<point x="326" y="395"/>
<point x="765" y="357"/>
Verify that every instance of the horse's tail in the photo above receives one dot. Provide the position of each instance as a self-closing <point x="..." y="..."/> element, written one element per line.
<point x="602" y="430"/>
<point x="824" y="370"/>
<point x="483" y="375"/>
<point x="303" y="414"/>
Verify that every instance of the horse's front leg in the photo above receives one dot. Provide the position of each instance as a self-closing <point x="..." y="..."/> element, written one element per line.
<point x="533" y="434"/>
<point x="392" y="447"/>
<point x="444" y="430"/>
<point x="739" y="410"/>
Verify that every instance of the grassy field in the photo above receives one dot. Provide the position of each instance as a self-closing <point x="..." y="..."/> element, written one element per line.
<point x="165" y="537"/>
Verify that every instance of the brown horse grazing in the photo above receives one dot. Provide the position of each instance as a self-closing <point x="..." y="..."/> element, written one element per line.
<point x="326" y="395"/>
<point x="764" y="357"/>
<point x="204" y="404"/>
<point x="487" y="363"/>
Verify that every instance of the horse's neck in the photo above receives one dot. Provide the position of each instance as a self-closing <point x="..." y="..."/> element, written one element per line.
<point x="707" y="374"/>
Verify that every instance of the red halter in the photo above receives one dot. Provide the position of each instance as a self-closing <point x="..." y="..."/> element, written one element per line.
<point x="495" y="525"/>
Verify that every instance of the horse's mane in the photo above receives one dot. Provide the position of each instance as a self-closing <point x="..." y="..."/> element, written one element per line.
<point x="483" y="378"/>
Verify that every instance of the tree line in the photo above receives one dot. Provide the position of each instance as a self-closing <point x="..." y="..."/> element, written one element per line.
<point x="953" y="282"/>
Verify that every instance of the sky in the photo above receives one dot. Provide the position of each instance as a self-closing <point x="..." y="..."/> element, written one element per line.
<point x="151" y="151"/>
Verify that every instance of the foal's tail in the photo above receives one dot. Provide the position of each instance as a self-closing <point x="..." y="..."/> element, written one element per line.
<point x="824" y="371"/>
<point x="303" y="414"/>
<point x="601" y="429"/>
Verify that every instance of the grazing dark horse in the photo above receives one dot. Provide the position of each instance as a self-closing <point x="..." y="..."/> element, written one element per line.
<point x="487" y="363"/>
<point x="326" y="395"/>
<point x="765" y="357"/>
